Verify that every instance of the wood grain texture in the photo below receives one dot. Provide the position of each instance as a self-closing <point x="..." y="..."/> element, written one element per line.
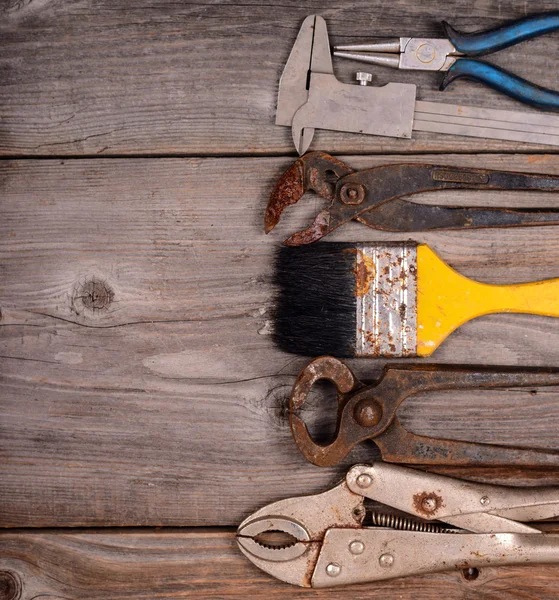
<point x="140" y="385"/>
<point x="151" y="77"/>
<point x="207" y="565"/>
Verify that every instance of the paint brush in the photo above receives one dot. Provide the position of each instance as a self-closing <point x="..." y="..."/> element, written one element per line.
<point x="385" y="299"/>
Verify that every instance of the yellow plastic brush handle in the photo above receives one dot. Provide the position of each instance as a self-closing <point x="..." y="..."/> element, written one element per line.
<point x="446" y="299"/>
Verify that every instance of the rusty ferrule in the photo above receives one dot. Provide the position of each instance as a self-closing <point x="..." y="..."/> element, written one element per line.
<point x="386" y="307"/>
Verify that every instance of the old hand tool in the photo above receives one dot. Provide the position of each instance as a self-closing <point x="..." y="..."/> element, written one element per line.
<point x="368" y="412"/>
<point x="450" y="54"/>
<point x="327" y="543"/>
<point x="310" y="97"/>
<point x="374" y="197"/>
<point x="388" y="299"/>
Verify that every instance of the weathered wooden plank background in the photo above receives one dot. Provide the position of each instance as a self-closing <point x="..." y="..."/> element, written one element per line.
<point x="206" y="565"/>
<point x="140" y="386"/>
<point x="155" y="77"/>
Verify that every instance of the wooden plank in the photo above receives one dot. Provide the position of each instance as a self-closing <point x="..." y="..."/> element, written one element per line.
<point x="163" y="400"/>
<point x="116" y="242"/>
<point x="192" y="78"/>
<point x="207" y="565"/>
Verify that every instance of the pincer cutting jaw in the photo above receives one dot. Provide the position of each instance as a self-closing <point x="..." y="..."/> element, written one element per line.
<point x="316" y="171"/>
<point x="306" y="519"/>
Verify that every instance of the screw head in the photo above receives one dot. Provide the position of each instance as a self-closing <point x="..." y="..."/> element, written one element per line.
<point x="333" y="569"/>
<point x="364" y="480"/>
<point x="357" y="547"/>
<point x="363" y="78"/>
<point x="386" y="560"/>
<point x="484" y="500"/>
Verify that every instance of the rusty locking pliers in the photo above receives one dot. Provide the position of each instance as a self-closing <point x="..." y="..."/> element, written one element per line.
<point x="326" y="542"/>
<point x="374" y="197"/>
<point x="369" y="412"/>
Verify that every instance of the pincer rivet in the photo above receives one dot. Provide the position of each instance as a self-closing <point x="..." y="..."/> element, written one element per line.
<point x="386" y="560"/>
<point x="364" y="480"/>
<point x="484" y="500"/>
<point x="333" y="569"/>
<point x="367" y="412"/>
<point x="357" y="547"/>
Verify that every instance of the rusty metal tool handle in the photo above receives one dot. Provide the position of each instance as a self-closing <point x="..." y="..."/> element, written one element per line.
<point x="375" y="189"/>
<point x="398" y="445"/>
<point x="399" y="382"/>
<point x="401" y="215"/>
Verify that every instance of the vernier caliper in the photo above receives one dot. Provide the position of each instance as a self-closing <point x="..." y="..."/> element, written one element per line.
<point x="311" y="97"/>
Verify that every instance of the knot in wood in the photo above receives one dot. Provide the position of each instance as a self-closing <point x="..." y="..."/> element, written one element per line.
<point x="10" y="586"/>
<point x="95" y="294"/>
<point x="276" y="403"/>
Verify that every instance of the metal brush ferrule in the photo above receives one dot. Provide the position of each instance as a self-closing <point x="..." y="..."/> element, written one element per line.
<point x="386" y="291"/>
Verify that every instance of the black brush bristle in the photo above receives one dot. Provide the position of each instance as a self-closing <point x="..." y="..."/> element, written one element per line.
<point x="315" y="303"/>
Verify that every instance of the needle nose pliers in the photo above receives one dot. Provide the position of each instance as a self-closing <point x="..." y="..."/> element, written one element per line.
<point x="451" y="54"/>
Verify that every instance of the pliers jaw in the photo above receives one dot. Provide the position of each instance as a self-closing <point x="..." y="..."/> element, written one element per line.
<point x="418" y="54"/>
<point x="316" y="171"/>
<point x="306" y="519"/>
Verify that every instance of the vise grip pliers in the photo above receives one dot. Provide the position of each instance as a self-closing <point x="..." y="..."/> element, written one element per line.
<point x="327" y="543"/>
<point x="451" y="54"/>
<point x="369" y="412"/>
<point x="374" y="197"/>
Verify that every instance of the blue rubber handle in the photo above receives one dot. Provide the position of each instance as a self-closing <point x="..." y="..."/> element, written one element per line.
<point x="504" y="82"/>
<point x="484" y="42"/>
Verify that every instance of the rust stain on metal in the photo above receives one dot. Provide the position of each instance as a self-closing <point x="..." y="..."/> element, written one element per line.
<point x="427" y="503"/>
<point x="315" y="171"/>
<point x="402" y="310"/>
<point x="364" y="271"/>
<point x="324" y="367"/>
<point x="352" y="194"/>
<point x="312" y="233"/>
<point x="288" y="190"/>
